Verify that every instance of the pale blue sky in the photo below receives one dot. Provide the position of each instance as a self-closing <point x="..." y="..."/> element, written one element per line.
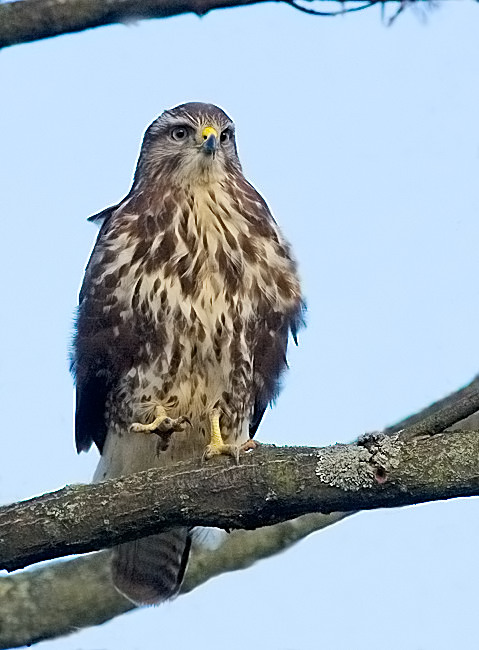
<point x="365" y="142"/>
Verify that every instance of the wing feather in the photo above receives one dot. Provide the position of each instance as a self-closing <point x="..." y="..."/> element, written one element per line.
<point x="95" y="362"/>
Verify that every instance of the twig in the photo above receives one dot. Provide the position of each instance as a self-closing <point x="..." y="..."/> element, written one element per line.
<point x="343" y="10"/>
<point x="441" y="414"/>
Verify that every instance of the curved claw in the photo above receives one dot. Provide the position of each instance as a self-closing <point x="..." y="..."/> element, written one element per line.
<point x="162" y="425"/>
<point x="169" y="425"/>
<point x="221" y="450"/>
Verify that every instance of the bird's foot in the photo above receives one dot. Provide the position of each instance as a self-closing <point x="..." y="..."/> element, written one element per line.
<point x="162" y="424"/>
<point x="221" y="450"/>
<point x="217" y="447"/>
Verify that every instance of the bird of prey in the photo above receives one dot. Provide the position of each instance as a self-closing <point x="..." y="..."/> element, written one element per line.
<point x="184" y="315"/>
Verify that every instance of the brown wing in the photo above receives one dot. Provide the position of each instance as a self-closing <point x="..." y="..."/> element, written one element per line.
<point x="98" y="355"/>
<point x="270" y="331"/>
<point x="270" y="359"/>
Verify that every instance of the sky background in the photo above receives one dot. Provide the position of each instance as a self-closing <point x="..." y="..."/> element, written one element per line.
<point x="365" y="142"/>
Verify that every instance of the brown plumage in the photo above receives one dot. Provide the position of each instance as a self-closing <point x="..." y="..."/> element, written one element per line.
<point x="185" y="310"/>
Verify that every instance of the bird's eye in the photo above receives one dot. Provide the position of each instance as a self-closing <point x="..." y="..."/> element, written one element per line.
<point x="225" y="135"/>
<point x="179" y="133"/>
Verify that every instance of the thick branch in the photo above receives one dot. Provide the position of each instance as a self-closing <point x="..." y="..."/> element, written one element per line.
<point x="27" y="20"/>
<point x="56" y="599"/>
<point x="270" y="485"/>
<point x="65" y="596"/>
<point x="24" y="21"/>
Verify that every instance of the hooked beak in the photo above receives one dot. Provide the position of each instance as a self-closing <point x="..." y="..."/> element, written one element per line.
<point x="210" y="140"/>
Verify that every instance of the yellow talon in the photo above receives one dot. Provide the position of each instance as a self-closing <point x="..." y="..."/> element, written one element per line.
<point x="160" y="415"/>
<point x="161" y="424"/>
<point x="217" y="447"/>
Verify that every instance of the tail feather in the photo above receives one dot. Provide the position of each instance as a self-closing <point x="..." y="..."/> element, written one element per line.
<point x="151" y="569"/>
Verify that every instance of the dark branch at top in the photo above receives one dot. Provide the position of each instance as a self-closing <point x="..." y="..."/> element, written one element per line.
<point x="24" y="21"/>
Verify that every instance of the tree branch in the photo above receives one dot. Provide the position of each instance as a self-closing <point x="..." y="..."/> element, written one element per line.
<point x="268" y="486"/>
<point x="446" y="412"/>
<point x="24" y="21"/>
<point x="63" y="597"/>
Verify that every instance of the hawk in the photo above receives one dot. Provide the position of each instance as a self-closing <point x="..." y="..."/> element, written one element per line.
<point x="184" y="315"/>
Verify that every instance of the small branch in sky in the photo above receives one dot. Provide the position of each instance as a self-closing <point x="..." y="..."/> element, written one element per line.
<point x="340" y="12"/>
<point x="441" y="414"/>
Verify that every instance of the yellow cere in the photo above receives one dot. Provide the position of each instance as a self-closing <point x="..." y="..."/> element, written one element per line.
<point x="209" y="130"/>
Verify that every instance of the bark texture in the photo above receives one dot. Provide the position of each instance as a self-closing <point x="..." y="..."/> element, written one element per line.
<point x="268" y="486"/>
<point x="400" y="467"/>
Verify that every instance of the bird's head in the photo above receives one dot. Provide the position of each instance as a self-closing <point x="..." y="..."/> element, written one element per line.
<point x="192" y="143"/>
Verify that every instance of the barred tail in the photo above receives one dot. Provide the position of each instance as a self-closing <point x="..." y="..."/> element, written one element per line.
<point x="150" y="570"/>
